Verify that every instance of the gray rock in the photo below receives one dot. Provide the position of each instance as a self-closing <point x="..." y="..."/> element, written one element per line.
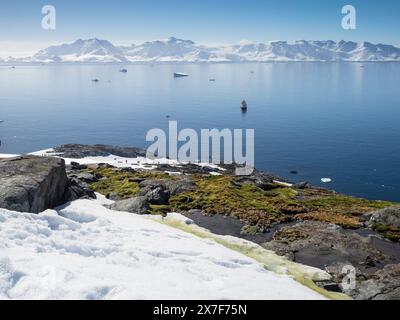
<point x="320" y="244"/>
<point x="77" y="166"/>
<point x="301" y="185"/>
<point x="78" y="189"/>
<point x="383" y="285"/>
<point x="334" y="249"/>
<point x="137" y="180"/>
<point x="260" y="181"/>
<point x="195" y="211"/>
<point x="155" y="195"/>
<point x="113" y="196"/>
<point x="32" y="184"/>
<point x="139" y="205"/>
<point x="86" y="177"/>
<point x="124" y="170"/>
<point x="388" y="216"/>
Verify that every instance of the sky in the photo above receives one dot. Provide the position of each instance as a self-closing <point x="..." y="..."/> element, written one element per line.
<point x="205" y="21"/>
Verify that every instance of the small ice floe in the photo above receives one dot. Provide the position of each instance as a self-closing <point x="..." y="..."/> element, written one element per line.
<point x="180" y="75"/>
<point x="326" y="180"/>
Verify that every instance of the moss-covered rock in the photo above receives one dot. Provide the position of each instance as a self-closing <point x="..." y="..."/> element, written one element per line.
<point x="124" y="184"/>
<point x="342" y="210"/>
<point x="259" y="208"/>
<point x="390" y="232"/>
<point x="249" y="230"/>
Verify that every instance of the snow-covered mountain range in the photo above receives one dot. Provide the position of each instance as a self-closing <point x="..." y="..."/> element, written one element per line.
<point x="178" y="50"/>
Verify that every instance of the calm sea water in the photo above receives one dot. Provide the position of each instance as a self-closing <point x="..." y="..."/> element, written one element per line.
<point x="324" y="120"/>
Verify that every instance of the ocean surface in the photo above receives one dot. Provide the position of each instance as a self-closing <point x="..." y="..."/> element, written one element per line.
<point x="335" y="120"/>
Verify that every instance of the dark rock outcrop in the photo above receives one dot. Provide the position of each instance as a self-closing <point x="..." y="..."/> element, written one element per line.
<point x="32" y="184"/>
<point x="174" y="187"/>
<point x="85" y="177"/>
<point x="188" y="168"/>
<point x="78" y="189"/>
<point x="320" y="244"/>
<point x="77" y="151"/>
<point x="76" y="166"/>
<point x="383" y="285"/>
<point x="327" y="246"/>
<point x="262" y="182"/>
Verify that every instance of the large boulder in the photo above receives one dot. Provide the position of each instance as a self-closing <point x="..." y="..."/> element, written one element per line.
<point x="388" y="217"/>
<point x="138" y="205"/>
<point x="387" y="222"/>
<point x="78" y="189"/>
<point x="156" y="195"/>
<point x="32" y="184"/>
<point x="383" y="285"/>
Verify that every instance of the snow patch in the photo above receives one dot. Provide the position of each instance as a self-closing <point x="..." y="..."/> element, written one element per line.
<point x="116" y="255"/>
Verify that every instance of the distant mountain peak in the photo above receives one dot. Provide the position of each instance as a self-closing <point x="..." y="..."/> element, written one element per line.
<point x="173" y="49"/>
<point x="177" y="40"/>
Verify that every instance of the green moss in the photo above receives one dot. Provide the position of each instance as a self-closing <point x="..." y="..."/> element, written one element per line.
<point x="257" y="208"/>
<point x="218" y="195"/>
<point x="340" y="201"/>
<point x="117" y="183"/>
<point x="289" y="235"/>
<point x="390" y="232"/>
<point x="342" y="210"/>
<point x="124" y="184"/>
<point x="284" y="194"/>
<point x="160" y="209"/>
<point x="261" y="209"/>
<point x="249" y="230"/>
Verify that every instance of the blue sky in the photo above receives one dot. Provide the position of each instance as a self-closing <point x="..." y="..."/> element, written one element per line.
<point x="206" y="21"/>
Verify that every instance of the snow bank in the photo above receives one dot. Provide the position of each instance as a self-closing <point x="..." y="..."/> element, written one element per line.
<point x="86" y="251"/>
<point x="6" y="155"/>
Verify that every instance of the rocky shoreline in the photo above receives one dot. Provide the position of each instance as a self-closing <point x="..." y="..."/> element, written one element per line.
<point x="309" y="225"/>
